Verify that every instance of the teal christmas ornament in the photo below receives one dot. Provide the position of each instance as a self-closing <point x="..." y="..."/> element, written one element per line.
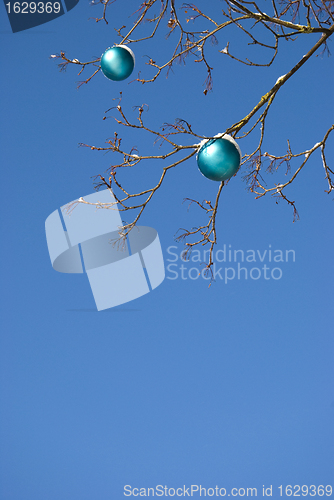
<point x="219" y="159"/>
<point x="117" y="62"/>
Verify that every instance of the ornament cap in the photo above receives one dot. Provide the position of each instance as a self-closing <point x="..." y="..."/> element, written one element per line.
<point x="222" y="135"/>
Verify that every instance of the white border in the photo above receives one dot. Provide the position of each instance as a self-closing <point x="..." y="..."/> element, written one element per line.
<point x="126" y="48"/>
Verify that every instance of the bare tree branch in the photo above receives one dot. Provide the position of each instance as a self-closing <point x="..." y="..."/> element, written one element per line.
<point x="288" y="20"/>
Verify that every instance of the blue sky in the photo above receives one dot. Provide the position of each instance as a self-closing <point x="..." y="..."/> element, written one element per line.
<point x="229" y="386"/>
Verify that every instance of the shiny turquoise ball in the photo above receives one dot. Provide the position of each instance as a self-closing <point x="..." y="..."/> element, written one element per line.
<point x="117" y="62"/>
<point x="219" y="159"/>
